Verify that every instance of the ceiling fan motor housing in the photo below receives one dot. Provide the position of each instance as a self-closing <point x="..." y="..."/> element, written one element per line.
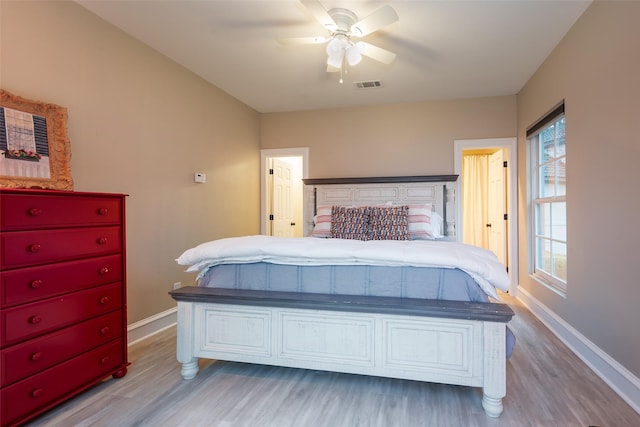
<point x="344" y="20"/>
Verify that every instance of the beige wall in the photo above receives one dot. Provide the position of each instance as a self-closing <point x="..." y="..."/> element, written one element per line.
<point x="388" y="140"/>
<point x="139" y="124"/>
<point x="596" y="69"/>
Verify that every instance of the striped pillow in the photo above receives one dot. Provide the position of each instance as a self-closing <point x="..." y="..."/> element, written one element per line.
<point x="389" y="223"/>
<point x="350" y="223"/>
<point x="420" y="226"/>
<point x="322" y="221"/>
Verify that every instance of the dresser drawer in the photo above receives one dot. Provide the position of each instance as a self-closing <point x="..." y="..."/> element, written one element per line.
<point x="20" y="212"/>
<point x="24" y="248"/>
<point x="53" y="385"/>
<point x="36" y="283"/>
<point x="26" y="321"/>
<point x="22" y="360"/>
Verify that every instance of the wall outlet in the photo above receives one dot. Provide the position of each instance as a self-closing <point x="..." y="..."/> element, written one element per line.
<point x="177" y="285"/>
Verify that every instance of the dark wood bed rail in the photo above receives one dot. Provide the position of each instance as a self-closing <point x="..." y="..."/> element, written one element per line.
<point x="487" y="311"/>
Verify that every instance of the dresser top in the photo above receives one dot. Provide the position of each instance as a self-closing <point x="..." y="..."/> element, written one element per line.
<point x="43" y="192"/>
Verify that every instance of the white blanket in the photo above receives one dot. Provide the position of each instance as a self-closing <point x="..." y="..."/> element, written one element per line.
<point x="479" y="263"/>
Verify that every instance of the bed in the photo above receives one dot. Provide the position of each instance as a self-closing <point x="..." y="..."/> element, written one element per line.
<point x="403" y="301"/>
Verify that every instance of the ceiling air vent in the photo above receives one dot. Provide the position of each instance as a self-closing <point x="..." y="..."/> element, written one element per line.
<point x="371" y="84"/>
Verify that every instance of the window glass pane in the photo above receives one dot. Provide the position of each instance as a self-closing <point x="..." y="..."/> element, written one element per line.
<point x="539" y="251"/>
<point x="543" y="222"/>
<point x="543" y="260"/>
<point x="546" y="183"/>
<point x="560" y="178"/>
<point x="559" y="260"/>
<point x="560" y="139"/>
<point x="547" y="144"/>
<point x="559" y="221"/>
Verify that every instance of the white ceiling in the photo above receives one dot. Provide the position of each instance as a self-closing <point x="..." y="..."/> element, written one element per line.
<point x="447" y="49"/>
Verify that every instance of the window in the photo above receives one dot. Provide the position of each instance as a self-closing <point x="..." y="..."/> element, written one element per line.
<point x="547" y="198"/>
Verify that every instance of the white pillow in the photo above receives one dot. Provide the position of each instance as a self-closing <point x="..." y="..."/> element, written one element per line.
<point x="436" y="225"/>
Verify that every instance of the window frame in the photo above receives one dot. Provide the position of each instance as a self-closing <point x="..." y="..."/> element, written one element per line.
<point x="537" y="201"/>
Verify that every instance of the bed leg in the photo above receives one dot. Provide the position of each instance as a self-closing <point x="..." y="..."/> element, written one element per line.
<point x="190" y="369"/>
<point x="495" y="368"/>
<point x="492" y="405"/>
<point x="185" y="340"/>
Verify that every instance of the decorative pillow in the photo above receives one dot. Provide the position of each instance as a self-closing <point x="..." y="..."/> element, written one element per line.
<point x="350" y="223"/>
<point x="389" y="223"/>
<point x="420" y="222"/>
<point x="322" y="221"/>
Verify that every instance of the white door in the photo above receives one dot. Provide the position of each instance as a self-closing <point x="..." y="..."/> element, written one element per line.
<point x="497" y="207"/>
<point x="282" y="224"/>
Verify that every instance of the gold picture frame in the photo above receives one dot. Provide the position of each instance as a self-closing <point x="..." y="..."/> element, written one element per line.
<point x="35" y="151"/>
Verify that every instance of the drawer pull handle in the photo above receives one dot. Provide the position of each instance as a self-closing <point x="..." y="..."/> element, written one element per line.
<point x="104" y="360"/>
<point x="104" y="331"/>
<point x="35" y="356"/>
<point x="34" y="320"/>
<point x="36" y="284"/>
<point x="35" y="212"/>
<point x="102" y="211"/>
<point x="35" y="248"/>
<point x="104" y="300"/>
<point x="102" y="241"/>
<point x="103" y="271"/>
<point x="37" y="392"/>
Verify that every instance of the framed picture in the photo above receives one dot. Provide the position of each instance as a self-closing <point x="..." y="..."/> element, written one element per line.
<point x="35" y="151"/>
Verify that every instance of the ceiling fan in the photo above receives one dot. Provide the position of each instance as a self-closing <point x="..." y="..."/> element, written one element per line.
<point x="344" y="29"/>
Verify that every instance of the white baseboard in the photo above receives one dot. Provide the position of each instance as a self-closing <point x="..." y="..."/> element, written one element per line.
<point x="151" y="325"/>
<point x="623" y="382"/>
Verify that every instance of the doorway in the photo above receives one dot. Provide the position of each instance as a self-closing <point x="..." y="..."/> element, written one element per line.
<point x="282" y="191"/>
<point x="487" y="198"/>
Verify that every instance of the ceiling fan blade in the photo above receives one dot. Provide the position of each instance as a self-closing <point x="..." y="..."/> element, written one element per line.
<point x="320" y="13"/>
<point x="378" y="53"/>
<point x="304" y="40"/>
<point x="380" y="18"/>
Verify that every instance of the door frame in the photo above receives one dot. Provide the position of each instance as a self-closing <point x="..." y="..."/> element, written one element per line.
<point x="511" y="144"/>
<point x="265" y="156"/>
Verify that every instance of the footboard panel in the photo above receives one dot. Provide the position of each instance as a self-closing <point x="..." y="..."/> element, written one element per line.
<point x="324" y="339"/>
<point x="230" y="332"/>
<point x="436" y="350"/>
<point x="448" y="342"/>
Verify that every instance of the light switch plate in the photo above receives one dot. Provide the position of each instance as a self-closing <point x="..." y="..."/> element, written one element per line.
<point x="199" y="177"/>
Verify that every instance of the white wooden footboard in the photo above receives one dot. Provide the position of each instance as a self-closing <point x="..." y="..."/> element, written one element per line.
<point x="449" y="342"/>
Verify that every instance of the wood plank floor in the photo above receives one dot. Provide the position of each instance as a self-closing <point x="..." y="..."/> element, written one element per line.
<point x="547" y="385"/>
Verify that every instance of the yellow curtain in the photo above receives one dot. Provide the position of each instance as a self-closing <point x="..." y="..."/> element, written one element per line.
<point x="475" y="174"/>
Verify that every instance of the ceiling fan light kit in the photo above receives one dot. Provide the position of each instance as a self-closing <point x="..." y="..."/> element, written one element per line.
<point x="342" y="25"/>
<point x="354" y="53"/>
<point x="340" y="48"/>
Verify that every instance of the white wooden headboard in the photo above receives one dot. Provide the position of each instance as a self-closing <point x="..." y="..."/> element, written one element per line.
<point x="437" y="190"/>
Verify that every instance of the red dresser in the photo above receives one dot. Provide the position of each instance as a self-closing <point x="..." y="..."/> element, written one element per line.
<point x="63" y="324"/>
